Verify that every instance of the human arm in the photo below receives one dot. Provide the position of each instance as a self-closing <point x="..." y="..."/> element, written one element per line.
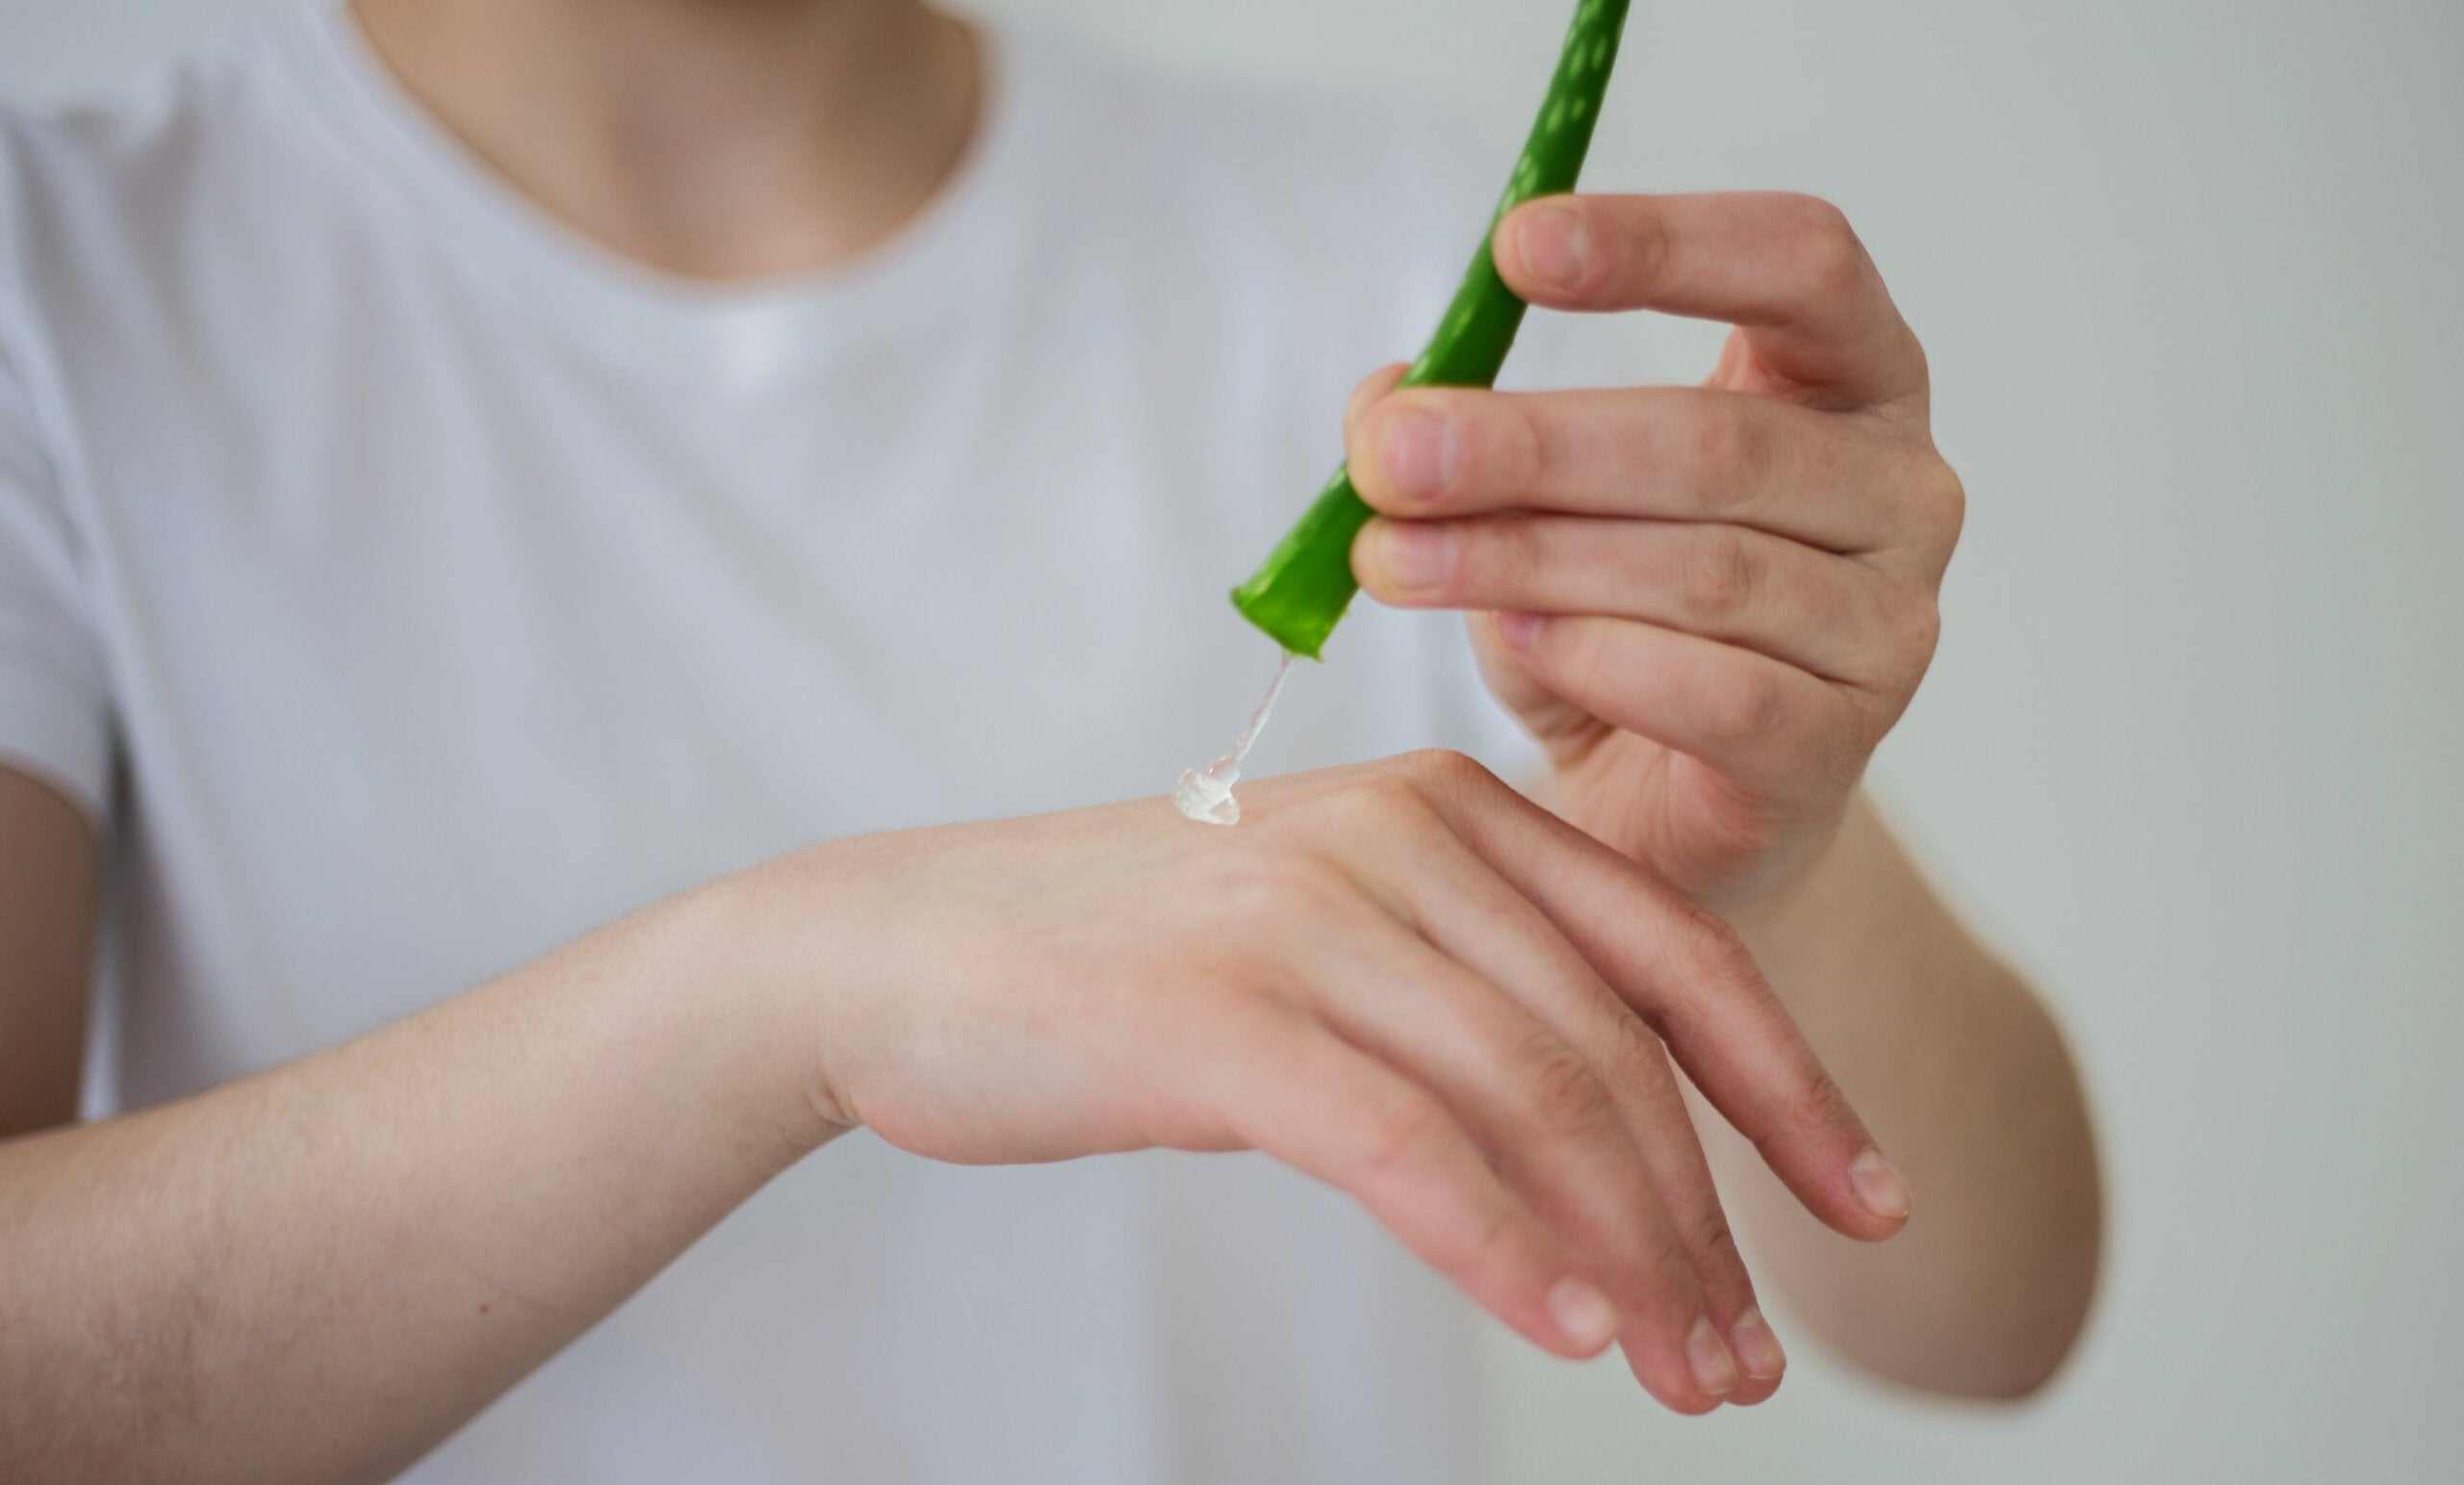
<point x="1710" y="603"/>
<point x="315" y="1274"/>
<point x="1966" y="1080"/>
<point x="47" y="862"/>
<point x="1402" y="978"/>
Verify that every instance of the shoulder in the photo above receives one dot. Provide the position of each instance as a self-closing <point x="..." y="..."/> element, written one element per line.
<point x="140" y="137"/>
<point x="101" y="195"/>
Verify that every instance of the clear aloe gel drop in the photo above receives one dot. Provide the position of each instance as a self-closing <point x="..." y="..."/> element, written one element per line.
<point x="1205" y="794"/>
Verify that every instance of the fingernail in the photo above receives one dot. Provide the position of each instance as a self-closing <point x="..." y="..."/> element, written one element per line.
<point x="1415" y="556"/>
<point x="1758" y="1349"/>
<point x="1583" y="1311"/>
<point x="1555" y="244"/>
<point x="1517" y="630"/>
<point x="1715" y="1369"/>
<point x="1417" y="452"/>
<point x="1878" y="1185"/>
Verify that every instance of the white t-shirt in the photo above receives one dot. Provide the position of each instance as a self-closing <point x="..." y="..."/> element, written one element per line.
<point x="410" y="586"/>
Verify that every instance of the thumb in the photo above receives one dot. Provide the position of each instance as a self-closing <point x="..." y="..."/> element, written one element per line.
<point x="1372" y="390"/>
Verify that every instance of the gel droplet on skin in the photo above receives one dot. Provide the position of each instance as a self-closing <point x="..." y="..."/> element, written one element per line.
<point x="1205" y="794"/>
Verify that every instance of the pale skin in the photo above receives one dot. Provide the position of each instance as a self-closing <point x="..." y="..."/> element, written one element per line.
<point x="1470" y="1028"/>
<point x="1710" y="603"/>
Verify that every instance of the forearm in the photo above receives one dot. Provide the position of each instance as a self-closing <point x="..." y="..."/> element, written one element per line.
<point x="319" y="1273"/>
<point x="1965" y="1080"/>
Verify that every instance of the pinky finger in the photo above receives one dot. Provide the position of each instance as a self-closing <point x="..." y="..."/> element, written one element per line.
<point x="1332" y="1112"/>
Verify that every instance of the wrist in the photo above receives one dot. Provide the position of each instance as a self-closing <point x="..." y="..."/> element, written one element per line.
<point x="1796" y="897"/>
<point x="743" y="961"/>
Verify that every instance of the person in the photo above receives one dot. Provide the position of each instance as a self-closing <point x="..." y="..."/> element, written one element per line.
<point x="573" y="575"/>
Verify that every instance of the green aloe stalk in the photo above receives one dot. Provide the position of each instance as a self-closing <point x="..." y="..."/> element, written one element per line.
<point x="1300" y="593"/>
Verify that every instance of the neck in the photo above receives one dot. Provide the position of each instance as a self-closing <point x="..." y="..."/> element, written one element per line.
<point x="706" y="138"/>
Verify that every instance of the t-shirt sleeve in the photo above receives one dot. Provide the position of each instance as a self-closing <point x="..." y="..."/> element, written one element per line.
<point x="55" y="712"/>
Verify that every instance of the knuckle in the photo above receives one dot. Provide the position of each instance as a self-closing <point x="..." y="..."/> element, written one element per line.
<point x="1670" y="1270"/>
<point x="1382" y="797"/>
<point x="1632" y="1049"/>
<point x="1920" y="631"/>
<point x="1443" y="772"/>
<point x="1526" y="448"/>
<point x="1714" y="1242"/>
<point x="1832" y="255"/>
<point x="1732" y="457"/>
<point x="1814" y="1104"/>
<point x="1639" y="253"/>
<point x="1750" y="708"/>
<point x="1504" y="556"/>
<point x="1312" y="884"/>
<point x="1945" y="501"/>
<point x="1920" y="362"/>
<point x="1567" y="1097"/>
<point x="1717" y="953"/>
<point x="1280" y="886"/>
<point x="1817" y="216"/>
<point x="1394" y="1137"/>
<point x="1720" y="574"/>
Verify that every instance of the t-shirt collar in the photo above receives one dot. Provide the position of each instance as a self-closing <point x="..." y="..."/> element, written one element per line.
<point x="955" y="252"/>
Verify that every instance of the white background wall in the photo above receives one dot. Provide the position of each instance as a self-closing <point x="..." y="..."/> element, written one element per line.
<point x="2193" y="278"/>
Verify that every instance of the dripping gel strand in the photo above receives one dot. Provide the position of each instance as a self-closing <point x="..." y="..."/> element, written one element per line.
<point x="1205" y="794"/>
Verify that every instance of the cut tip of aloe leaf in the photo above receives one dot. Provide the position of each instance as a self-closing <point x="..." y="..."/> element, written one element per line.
<point x="1300" y="631"/>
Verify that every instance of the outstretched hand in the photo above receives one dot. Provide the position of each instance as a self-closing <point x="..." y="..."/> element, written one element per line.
<point x="1708" y="603"/>
<point x="1402" y="978"/>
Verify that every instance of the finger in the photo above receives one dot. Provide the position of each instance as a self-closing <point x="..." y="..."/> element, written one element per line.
<point x="1768" y="728"/>
<point x="1372" y="388"/>
<point x="1332" y="1112"/>
<point x="1694" y="1204"/>
<point x="1673" y="453"/>
<point x="1830" y="615"/>
<point x="1786" y="270"/>
<point x="1474" y="916"/>
<point x="1547" y="1124"/>
<point x="1692" y="981"/>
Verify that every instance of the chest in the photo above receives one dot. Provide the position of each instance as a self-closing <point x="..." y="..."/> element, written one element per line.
<point x="481" y="643"/>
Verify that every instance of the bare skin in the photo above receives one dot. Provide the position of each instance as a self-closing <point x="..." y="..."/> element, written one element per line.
<point x="1710" y="603"/>
<point x="175" y="1279"/>
<point x="47" y="869"/>
<point x="1403" y="978"/>
<point x="1968" y="1082"/>
<point x="744" y="140"/>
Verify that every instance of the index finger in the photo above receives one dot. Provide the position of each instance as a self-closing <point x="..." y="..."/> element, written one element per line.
<point x="1786" y="270"/>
